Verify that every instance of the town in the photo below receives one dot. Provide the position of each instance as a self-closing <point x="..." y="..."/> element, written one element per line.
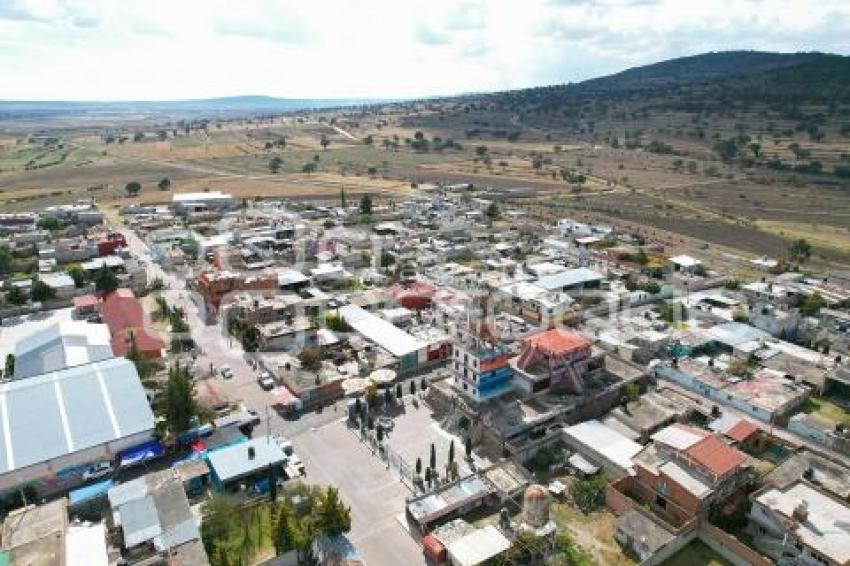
<point x="446" y="377"/>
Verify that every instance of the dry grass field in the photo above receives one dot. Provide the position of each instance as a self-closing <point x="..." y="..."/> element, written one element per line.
<point x="690" y="195"/>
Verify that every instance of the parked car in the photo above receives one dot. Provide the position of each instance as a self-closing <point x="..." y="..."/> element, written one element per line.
<point x="97" y="471"/>
<point x="266" y="381"/>
<point x="226" y="372"/>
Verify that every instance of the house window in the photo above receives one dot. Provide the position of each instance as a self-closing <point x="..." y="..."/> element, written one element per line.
<point x="661" y="502"/>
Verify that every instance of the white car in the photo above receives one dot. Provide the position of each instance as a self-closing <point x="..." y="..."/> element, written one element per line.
<point x="226" y="372"/>
<point x="97" y="471"/>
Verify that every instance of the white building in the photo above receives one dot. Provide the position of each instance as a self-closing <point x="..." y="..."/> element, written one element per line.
<point x="801" y="523"/>
<point x="201" y="202"/>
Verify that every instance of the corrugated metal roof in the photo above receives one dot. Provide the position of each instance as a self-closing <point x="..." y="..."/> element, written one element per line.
<point x="395" y="340"/>
<point x="569" y="278"/>
<point x="54" y="414"/>
<point x="233" y="461"/>
<point x="61" y="345"/>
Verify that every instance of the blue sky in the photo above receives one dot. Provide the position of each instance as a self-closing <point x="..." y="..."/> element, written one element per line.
<point x="176" y="49"/>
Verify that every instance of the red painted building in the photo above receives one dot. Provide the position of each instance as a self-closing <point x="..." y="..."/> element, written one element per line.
<point x="110" y="243"/>
<point x="124" y="315"/>
<point x="684" y="470"/>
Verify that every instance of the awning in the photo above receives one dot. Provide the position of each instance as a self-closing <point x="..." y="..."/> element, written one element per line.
<point x="284" y="397"/>
<point x="89" y="492"/>
<point x="140" y="454"/>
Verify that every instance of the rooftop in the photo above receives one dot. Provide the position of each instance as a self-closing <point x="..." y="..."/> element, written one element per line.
<point x="234" y="462"/>
<point x="67" y="411"/>
<point x="827" y="527"/>
<point x="557" y="341"/>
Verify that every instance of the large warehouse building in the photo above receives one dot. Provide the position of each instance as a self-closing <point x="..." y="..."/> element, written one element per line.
<point x="53" y="426"/>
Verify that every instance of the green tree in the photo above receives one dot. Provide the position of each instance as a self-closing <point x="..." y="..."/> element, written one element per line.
<point x="251" y="339"/>
<point x="7" y="260"/>
<point x="164" y="184"/>
<point x="451" y="452"/>
<point x="366" y="204"/>
<point x="800" y="250"/>
<point x="10" y="365"/>
<point x="309" y="167"/>
<point x="78" y="275"/>
<point x="105" y="280"/>
<point x="631" y="392"/>
<point x="50" y="223"/>
<point x="433" y="459"/>
<point x="41" y="291"/>
<point x="418" y="466"/>
<point x="589" y="494"/>
<point x="492" y="211"/>
<point x="325" y="142"/>
<point x="132" y="188"/>
<point x="342" y="202"/>
<point x="467" y="446"/>
<point x="17" y="296"/>
<point x="144" y="367"/>
<point x="369" y="140"/>
<point x="333" y="517"/>
<point x="275" y="164"/>
<point x="812" y="304"/>
<point x="179" y="407"/>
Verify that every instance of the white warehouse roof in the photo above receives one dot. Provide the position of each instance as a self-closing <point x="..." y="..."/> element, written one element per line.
<point x="63" y="412"/>
<point x="384" y="334"/>
<point x="199" y="197"/>
<point x="606" y="442"/>
<point x="61" y="345"/>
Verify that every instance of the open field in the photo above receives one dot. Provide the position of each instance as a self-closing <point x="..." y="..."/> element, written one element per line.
<point x="687" y="192"/>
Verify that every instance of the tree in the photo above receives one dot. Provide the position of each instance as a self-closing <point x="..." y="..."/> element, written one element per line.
<point x="412" y="387"/>
<point x="366" y="204"/>
<point x="251" y="339"/>
<point x="309" y="167"/>
<point x="7" y="260"/>
<point x="451" y="452"/>
<point x="325" y="142"/>
<point x="132" y="188"/>
<point x="800" y="250"/>
<point x="398" y="391"/>
<point x="812" y="304"/>
<point x="143" y="366"/>
<point x="17" y="296"/>
<point x="105" y="280"/>
<point x="589" y="494"/>
<point x="10" y="365"/>
<point x="388" y="396"/>
<point x="369" y="140"/>
<point x="467" y="445"/>
<point x="433" y="460"/>
<point x="418" y="466"/>
<point x="492" y="211"/>
<point x="275" y="163"/>
<point x="164" y="184"/>
<point x="428" y="476"/>
<point x="379" y="434"/>
<point x="78" y="275"/>
<point x="41" y="291"/>
<point x="310" y="358"/>
<point x="333" y="517"/>
<point x="50" y="223"/>
<point x="481" y="150"/>
<point x="632" y="392"/>
<point x="178" y="401"/>
<point x="342" y="202"/>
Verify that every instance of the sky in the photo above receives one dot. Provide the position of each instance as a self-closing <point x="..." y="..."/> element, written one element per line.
<point x="187" y="49"/>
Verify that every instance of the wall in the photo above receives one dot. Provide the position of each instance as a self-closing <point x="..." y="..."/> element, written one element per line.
<point x="730" y="547"/>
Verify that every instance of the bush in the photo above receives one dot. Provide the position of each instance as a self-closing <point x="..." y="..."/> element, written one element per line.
<point x="589" y="494"/>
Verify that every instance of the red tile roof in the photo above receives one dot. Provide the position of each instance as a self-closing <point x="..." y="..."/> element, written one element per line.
<point x="147" y="343"/>
<point x="742" y="430"/>
<point x="85" y="301"/>
<point x="121" y="310"/>
<point x="715" y="455"/>
<point x="557" y="341"/>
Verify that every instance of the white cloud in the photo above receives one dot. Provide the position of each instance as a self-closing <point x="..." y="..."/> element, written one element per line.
<point x="162" y="49"/>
